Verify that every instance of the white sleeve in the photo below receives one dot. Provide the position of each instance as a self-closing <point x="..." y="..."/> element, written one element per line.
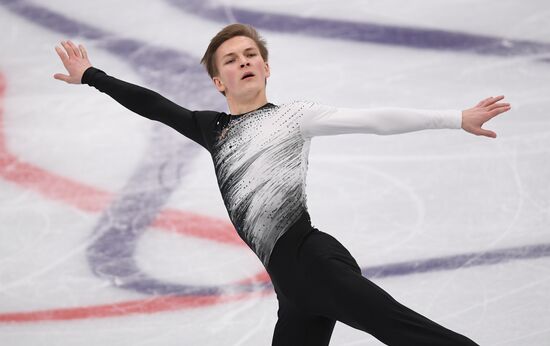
<point x="321" y="120"/>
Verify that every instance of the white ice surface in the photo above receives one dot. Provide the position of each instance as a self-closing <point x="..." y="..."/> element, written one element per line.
<point x="387" y="198"/>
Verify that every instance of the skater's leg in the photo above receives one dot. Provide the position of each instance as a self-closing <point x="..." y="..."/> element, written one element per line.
<point x="297" y="328"/>
<point x="344" y="294"/>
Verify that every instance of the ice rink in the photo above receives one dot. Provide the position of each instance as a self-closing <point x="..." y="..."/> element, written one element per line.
<point x="112" y="227"/>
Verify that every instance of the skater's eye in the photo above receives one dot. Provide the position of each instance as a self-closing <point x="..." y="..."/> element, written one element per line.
<point x="229" y="61"/>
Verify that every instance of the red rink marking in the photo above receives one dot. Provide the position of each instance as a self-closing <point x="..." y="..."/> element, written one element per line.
<point x="143" y="306"/>
<point x="91" y="199"/>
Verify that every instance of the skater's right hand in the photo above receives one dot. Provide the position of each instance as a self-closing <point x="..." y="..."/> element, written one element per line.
<point x="75" y="61"/>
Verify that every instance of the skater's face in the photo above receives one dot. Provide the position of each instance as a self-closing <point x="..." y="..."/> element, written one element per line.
<point x="242" y="72"/>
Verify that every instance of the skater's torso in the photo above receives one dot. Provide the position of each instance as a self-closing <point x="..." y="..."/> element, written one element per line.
<point x="260" y="160"/>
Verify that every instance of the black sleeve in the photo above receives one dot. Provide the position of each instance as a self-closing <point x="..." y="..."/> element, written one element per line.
<point x="147" y="103"/>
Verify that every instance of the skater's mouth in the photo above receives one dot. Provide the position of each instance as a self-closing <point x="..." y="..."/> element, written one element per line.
<point x="247" y="75"/>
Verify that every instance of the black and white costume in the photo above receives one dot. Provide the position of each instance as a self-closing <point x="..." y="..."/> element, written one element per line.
<point x="260" y="159"/>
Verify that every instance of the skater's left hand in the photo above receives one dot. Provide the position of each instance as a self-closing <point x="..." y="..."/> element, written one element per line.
<point x="474" y="118"/>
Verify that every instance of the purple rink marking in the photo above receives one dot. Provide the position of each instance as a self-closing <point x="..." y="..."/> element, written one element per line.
<point x="458" y="261"/>
<point x="121" y="225"/>
<point x="416" y="38"/>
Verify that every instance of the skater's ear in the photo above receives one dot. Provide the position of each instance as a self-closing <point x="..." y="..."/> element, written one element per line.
<point x="218" y="83"/>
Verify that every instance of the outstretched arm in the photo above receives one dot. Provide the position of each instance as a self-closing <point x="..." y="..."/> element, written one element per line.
<point x="142" y="101"/>
<point x="324" y="120"/>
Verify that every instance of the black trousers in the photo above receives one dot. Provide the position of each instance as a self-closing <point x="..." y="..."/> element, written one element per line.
<point x="318" y="282"/>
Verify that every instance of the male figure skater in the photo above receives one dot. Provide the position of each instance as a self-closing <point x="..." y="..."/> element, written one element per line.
<point x="259" y="151"/>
